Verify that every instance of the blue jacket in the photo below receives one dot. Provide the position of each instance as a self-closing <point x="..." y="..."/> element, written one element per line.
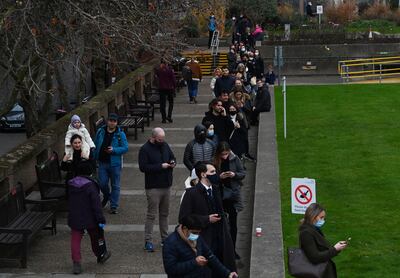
<point x="119" y="144"/>
<point x="180" y="260"/>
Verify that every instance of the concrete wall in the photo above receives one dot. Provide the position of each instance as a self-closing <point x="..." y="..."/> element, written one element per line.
<point x="325" y="57"/>
<point x="18" y="165"/>
<point x="267" y="258"/>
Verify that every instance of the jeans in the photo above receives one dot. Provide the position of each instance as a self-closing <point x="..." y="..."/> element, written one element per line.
<point x="76" y="238"/>
<point x="193" y="87"/>
<point x="210" y="35"/>
<point x="106" y="173"/>
<point x="164" y="95"/>
<point x="157" y="201"/>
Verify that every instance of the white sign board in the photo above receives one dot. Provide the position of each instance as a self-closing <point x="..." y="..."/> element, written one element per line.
<point x="303" y="194"/>
<point x="320" y="9"/>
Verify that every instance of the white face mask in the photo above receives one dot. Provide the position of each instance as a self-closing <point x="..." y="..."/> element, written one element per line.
<point x="243" y="49"/>
<point x="256" y="53"/>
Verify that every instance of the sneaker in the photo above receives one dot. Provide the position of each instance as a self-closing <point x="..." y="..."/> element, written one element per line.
<point x="104" y="257"/>
<point x="169" y="119"/>
<point x="163" y="121"/>
<point x="113" y="211"/>
<point x="148" y="246"/>
<point x="77" y="268"/>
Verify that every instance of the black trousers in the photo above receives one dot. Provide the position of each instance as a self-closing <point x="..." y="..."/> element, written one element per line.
<point x="164" y="95"/>
<point x="232" y="218"/>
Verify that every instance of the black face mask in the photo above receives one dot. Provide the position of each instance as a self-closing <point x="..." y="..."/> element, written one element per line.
<point x="157" y="143"/>
<point x="232" y="113"/>
<point x="214" y="179"/>
<point x="201" y="138"/>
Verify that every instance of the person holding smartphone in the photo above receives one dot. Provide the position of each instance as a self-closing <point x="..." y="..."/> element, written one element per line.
<point x="313" y="242"/>
<point x="231" y="173"/>
<point x="217" y="115"/>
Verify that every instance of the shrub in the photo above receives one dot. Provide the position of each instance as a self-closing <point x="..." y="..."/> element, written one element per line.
<point x="377" y="11"/>
<point x="342" y="13"/>
<point x="362" y="7"/>
<point x="285" y="12"/>
<point x="395" y="16"/>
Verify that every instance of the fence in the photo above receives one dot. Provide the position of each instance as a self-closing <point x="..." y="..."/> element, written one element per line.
<point x="369" y="68"/>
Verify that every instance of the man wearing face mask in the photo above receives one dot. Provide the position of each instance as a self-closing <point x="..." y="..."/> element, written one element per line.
<point x="204" y="200"/>
<point x="262" y="102"/>
<point x="156" y="161"/>
<point x="185" y="254"/>
<point x="199" y="149"/>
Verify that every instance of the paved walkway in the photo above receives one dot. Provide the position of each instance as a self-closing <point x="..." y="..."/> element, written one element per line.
<point x="50" y="255"/>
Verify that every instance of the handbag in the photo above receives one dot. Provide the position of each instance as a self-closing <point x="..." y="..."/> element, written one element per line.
<point x="300" y="266"/>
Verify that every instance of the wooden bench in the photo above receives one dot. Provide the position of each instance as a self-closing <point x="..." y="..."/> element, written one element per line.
<point x="126" y="121"/>
<point x="140" y="108"/>
<point x="152" y="97"/>
<point x="18" y="225"/>
<point x="50" y="181"/>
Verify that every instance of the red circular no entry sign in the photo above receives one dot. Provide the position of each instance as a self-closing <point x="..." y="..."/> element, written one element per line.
<point x="303" y="194"/>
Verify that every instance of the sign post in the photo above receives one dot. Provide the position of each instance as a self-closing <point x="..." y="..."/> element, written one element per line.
<point x="303" y="194"/>
<point x="284" y="106"/>
<point x="320" y="11"/>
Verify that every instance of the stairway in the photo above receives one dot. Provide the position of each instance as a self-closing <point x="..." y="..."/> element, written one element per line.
<point x="206" y="60"/>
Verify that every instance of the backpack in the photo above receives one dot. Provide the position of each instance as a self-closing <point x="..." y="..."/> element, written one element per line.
<point x="187" y="73"/>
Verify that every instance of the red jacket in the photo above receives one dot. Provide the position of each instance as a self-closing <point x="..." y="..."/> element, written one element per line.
<point x="166" y="77"/>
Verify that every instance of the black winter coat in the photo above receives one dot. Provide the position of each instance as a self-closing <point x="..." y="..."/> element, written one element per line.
<point x="196" y="201"/>
<point x="151" y="157"/>
<point x="223" y="83"/>
<point x="85" y="210"/>
<point x="180" y="260"/>
<point x="317" y="248"/>
<point x="223" y="125"/>
<point x="262" y="101"/>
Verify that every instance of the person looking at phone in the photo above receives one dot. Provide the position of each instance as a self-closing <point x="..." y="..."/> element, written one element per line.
<point x="231" y="173"/>
<point x="313" y="242"/>
<point x="185" y="253"/>
<point x="204" y="201"/>
<point x="111" y="144"/>
<point x="217" y="115"/>
<point x="156" y="161"/>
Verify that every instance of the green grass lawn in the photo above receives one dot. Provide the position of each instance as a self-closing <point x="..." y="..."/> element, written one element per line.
<point x="347" y="137"/>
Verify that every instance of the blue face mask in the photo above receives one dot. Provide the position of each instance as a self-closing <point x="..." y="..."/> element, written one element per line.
<point x="319" y="223"/>
<point x="193" y="237"/>
<point x="210" y="133"/>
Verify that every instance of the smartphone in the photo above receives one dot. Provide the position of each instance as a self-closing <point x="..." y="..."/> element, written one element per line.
<point x="348" y="240"/>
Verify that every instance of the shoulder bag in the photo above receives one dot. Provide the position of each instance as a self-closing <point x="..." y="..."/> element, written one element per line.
<point x="300" y="266"/>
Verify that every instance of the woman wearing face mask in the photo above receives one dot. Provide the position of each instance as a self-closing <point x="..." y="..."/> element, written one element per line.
<point x="231" y="173"/>
<point x="211" y="133"/>
<point x="185" y="254"/>
<point x="313" y="242"/>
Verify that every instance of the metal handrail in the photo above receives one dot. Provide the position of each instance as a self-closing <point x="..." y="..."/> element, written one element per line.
<point x="349" y="69"/>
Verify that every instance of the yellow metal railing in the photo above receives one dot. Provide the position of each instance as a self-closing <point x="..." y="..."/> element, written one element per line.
<point x="369" y="68"/>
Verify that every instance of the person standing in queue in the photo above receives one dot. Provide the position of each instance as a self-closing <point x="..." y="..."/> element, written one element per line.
<point x="313" y="242"/>
<point x="204" y="200"/>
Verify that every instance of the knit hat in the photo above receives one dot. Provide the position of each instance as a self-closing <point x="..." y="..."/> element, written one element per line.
<point x="75" y="118"/>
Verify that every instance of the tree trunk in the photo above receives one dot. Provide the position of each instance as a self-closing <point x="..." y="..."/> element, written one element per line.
<point x="32" y="122"/>
<point x="61" y="89"/>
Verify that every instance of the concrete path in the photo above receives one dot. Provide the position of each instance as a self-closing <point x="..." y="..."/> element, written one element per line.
<point x="49" y="256"/>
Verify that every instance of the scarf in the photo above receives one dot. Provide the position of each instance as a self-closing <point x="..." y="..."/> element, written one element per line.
<point x="192" y="244"/>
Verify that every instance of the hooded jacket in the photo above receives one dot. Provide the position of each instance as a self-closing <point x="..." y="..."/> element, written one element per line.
<point x="199" y="149"/>
<point x="119" y="144"/>
<point x="85" y="210"/>
<point x="223" y="125"/>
